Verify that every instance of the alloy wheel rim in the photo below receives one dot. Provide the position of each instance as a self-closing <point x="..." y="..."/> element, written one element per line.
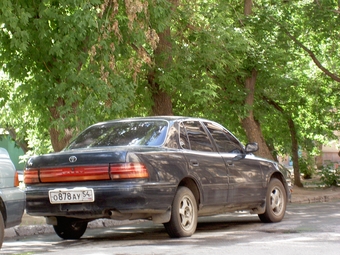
<point x="186" y="213"/>
<point x="276" y="201"/>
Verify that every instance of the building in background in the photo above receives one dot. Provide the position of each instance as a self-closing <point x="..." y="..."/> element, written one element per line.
<point x="329" y="156"/>
<point x="330" y="153"/>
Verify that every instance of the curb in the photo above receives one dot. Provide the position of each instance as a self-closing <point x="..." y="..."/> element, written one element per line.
<point x="318" y="199"/>
<point x="319" y="196"/>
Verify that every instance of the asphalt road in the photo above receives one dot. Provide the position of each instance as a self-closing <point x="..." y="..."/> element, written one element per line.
<point x="306" y="229"/>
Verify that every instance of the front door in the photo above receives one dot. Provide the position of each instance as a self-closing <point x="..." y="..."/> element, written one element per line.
<point x="245" y="175"/>
<point x="205" y="163"/>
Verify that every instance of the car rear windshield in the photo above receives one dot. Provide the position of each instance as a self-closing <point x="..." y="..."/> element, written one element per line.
<point x="135" y="133"/>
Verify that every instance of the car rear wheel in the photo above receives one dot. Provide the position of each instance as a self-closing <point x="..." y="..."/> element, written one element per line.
<point x="2" y="229"/>
<point x="183" y="220"/>
<point x="276" y="202"/>
<point x="69" y="228"/>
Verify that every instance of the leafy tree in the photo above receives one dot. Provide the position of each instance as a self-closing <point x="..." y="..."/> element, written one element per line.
<point x="70" y="64"/>
<point x="283" y="82"/>
<point x="267" y="70"/>
<point x="302" y="93"/>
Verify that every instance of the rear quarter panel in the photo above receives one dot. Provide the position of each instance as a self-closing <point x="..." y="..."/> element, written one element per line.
<point x="12" y="198"/>
<point x="169" y="166"/>
<point x="7" y="170"/>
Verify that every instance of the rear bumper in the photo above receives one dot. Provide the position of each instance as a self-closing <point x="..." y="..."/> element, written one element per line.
<point x="122" y="197"/>
<point x="14" y="205"/>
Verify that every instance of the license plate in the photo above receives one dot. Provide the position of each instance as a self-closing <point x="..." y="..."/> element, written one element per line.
<point x="76" y="195"/>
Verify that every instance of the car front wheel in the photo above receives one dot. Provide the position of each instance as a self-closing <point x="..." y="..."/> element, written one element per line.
<point x="183" y="220"/>
<point x="68" y="228"/>
<point x="276" y="202"/>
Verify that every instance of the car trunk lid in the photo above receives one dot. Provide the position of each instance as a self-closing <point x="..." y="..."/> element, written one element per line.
<point x="82" y="165"/>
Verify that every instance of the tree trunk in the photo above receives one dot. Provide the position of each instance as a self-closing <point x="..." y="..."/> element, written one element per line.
<point x="59" y="140"/>
<point x="163" y="59"/>
<point x="249" y="124"/>
<point x="295" y="153"/>
<point x="162" y="104"/>
<point x="57" y="143"/>
<point x="293" y="136"/>
<point x="318" y="159"/>
<point x="248" y="5"/>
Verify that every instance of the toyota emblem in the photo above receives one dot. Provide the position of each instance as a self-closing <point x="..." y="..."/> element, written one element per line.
<point x="72" y="159"/>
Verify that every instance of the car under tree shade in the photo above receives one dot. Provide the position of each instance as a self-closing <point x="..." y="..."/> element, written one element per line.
<point x="169" y="169"/>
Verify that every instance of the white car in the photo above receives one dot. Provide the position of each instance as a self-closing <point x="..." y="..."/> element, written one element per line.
<point x="12" y="198"/>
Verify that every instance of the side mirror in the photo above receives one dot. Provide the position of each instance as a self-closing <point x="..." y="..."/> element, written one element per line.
<point x="252" y="147"/>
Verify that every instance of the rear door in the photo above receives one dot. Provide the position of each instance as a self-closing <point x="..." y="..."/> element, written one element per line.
<point x="245" y="175"/>
<point x="205" y="163"/>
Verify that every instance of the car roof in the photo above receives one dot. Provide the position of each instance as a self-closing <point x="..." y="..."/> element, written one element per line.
<point x="3" y="153"/>
<point x="165" y="117"/>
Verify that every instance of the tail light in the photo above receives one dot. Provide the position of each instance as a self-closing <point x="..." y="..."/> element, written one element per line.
<point x="86" y="173"/>
<point x="31" y="176"/>
<point x="67" y="174"/>
<point x="16" y="179"/>
<point x="128" y="171"/>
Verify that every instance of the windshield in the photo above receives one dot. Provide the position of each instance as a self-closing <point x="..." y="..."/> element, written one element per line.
<point x="135" y="133"/>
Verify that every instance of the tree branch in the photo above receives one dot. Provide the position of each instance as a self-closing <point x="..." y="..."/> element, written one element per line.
<point x="13" y="134"/>
<point x="293" y="136"/>
<point x="310" y="53"/>
<point x="314" y="58"/>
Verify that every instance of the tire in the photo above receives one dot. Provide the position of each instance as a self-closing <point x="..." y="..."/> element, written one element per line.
<point x="183" y="221"/>
<point x="68" y="228"/>
<point x="276" y="202"/>
<point x="2" y="229"/>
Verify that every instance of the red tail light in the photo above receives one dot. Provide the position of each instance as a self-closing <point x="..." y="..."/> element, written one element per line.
<point x="31" y="176"/>
<point x="86" y="173"/>
<point x="72" y="174"/>
<point x="128" y="171"/>
<point x="16" y="179"/>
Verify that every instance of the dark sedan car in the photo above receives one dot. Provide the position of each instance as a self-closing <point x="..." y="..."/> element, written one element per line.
<point x="170" y="170"/>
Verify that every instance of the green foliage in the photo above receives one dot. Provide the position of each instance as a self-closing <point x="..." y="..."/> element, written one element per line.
<point x="330" y="176"/>
<point x="210" y="58"/>
<point x="306" y="165"/>
<point x="289" y="76"/>
<point x="71" y="63"/>
<point x="67" y="67"/>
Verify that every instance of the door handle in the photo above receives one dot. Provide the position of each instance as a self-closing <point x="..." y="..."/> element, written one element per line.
<point x="194" y="162"/>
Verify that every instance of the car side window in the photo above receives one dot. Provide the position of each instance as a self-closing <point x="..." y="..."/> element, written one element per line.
<point x="183" y="138"/>
<point x="225" y="141"/>
<point x="198" y="138"/>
